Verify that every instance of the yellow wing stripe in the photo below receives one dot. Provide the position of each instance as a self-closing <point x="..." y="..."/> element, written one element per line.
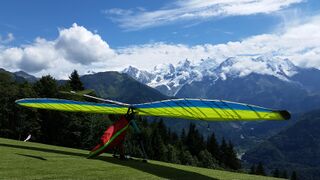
<point x="213" y="114"/>
<point x="72" y="106"/>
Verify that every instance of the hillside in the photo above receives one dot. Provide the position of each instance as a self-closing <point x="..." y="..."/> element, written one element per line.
<point x="120" y="87"/>
<point x="18" y="76"/>
<point x="296" y="148"/>
<point x="38" y="161"/>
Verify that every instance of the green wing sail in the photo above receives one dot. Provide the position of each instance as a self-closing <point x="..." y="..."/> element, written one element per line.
<point x="198" y="109"/>
<point x="72" y="106"/>
<point x="214" y="110"/>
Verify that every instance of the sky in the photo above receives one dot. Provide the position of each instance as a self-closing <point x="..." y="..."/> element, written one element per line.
<point x="55" y="37"/>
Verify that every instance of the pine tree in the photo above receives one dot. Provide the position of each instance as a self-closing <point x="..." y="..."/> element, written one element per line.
<point x="232" y="161"/>
<point x="75" y="82"/>
<point x="276" y="173"/>
<point x="223" y="153"/>
<point x="206" y="159"/>
<point x="194" y="140"/>
<point x="252" y="169"/>
<point x="172" y="154"/>
<point x="183" y="135"/>
<point x="293" y="175"/>
<point x="46" y="87"/>
<point x="187" y="159"/>
<point x="260" y="169"/>
<point x="158" y="146"/>
<point x="213" y="147"/>
<point x="163" y="131"/>
<point x="284" y="174"/>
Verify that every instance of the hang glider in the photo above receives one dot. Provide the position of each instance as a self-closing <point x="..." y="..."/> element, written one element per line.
<point x="198" y="109"/>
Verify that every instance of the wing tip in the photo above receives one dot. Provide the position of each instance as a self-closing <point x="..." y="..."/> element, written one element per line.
<point x="19" y="101"/>
<point x="285" y="114"/>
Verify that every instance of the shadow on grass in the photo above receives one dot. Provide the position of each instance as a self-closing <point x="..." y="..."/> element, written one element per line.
<point x="155" y="169"/>
<point x="31" y="156"/>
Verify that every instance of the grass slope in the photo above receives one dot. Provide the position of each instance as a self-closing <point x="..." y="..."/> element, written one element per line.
<point x="26" y="160"/>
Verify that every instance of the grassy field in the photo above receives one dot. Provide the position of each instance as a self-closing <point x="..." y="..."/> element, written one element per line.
<point x="26" y="160"/>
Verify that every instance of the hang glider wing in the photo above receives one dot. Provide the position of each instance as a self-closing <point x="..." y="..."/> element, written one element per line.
<point x="73" y="106"/>
<point x="215" y="110"/>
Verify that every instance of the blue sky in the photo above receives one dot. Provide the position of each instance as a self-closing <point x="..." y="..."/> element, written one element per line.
<point x="35" y="32"/>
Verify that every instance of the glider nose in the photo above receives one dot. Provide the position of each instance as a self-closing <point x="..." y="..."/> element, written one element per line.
<point x="285" y="114"/>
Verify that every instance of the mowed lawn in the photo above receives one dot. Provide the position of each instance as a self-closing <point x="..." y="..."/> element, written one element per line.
<point x="27" y="160"/>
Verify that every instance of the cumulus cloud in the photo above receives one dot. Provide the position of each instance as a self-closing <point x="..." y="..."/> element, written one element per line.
<point x="79" y="45"/>
<point x="74" y="47"/>
<point x="195" y="10"/>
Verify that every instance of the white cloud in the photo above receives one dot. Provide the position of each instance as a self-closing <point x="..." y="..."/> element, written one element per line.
<point x="195" y="10"/>
<point x="75" y="47"/>
<point x="78" y="48"/>
<point x="299" y="42"/>
<point x="7" y="39"/>
<point x="118" y="12"/>
<point x="79" y="45"/>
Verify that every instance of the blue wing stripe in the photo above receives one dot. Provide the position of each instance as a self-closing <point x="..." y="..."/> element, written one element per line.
<point x="200" y="104"/>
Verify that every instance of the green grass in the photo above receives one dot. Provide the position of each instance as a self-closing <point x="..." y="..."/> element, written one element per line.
<point x="27" y="160"/>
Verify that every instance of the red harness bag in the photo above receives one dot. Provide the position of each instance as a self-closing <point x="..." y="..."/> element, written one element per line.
<point x="112" y="137"/>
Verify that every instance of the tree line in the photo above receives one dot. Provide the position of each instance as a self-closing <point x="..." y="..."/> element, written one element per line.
<point x="259" y="170"/>
<point x="188" y="148"/>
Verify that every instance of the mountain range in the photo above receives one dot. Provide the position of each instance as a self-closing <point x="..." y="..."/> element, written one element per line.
<point x="264" y="81"/>
<point x="207" y="77"/>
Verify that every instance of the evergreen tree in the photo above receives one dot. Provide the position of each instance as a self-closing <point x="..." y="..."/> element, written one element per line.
<point x="232" y="161"/>
<point x="293" y="175"/>
<point x="284" y="174"/>
<point x="213" y="147"/>
<point x="260" y="169"/>
<point x="46" y="87"/>
<point x="172" y="154"/>
<point x="206" y="159"/>
<point x="183" y="136"/>
<point x="159" y="148"/>
<point x="187" y="159"/>
<point x="252" y="169"/>
<point x="163" y="131"/>
<point x="223" y="153"/>
<point x="75" y="82"/>
<point x="194" y="140"/>
<point x="173" y="137"/>
<point x="276" y="173"/>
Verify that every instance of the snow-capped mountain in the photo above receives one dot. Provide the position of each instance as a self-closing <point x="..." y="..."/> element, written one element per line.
<point x="240" y="67"/>
<point x="140" y="75"/>
<point x="169" y="79"/>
